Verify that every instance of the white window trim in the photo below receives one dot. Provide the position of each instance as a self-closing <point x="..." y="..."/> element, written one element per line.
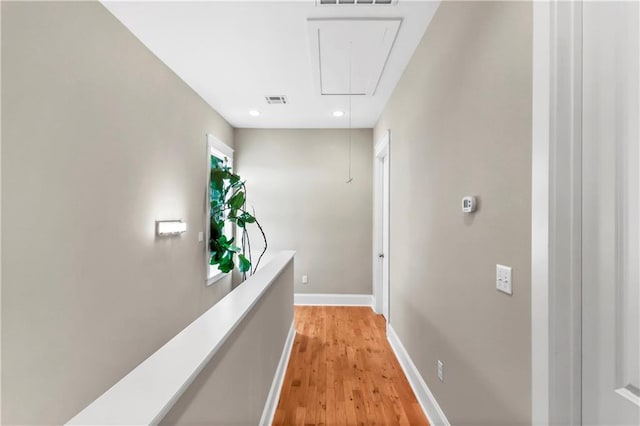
<point x="218" y="148"/>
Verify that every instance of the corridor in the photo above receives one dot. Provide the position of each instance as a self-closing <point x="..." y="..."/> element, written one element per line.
<point x="343" y="371"/>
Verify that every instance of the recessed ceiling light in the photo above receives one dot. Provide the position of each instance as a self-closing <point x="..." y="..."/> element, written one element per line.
<point x="338" y="113"/>
<point x="254" y="113"/>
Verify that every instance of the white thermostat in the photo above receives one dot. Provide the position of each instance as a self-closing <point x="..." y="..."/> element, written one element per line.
<point x="469" y="204"/>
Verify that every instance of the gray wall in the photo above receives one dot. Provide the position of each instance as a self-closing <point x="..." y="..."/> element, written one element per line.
<point x="99" y="139"/>
<point x="305" y="204"/>
<point x="460" y="121"/>
<point x="233" y="387"/>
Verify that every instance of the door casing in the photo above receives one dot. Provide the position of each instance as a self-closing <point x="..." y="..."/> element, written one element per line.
<point x="381" y="230"/>
<point x="556" y="223"/>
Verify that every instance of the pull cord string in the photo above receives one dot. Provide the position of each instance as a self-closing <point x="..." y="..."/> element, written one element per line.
<point x="350" y="96"/>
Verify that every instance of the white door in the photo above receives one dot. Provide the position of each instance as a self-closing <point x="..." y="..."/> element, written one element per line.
<point x="385" y="236"/>
<point x="381" y="230"/>
<point x="610" y="235"/>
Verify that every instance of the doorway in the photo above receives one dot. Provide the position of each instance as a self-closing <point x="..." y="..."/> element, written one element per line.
<point x="381" y="287"/>
<point x="610" y="218"/>
<point x="585" y="203"/>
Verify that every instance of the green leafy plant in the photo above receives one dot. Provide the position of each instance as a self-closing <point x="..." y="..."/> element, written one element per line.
<point x="228" y="198"/>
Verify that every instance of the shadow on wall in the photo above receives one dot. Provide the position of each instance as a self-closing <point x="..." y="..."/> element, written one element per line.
<point x="470" y="37"/>
<point x="426" y="353"/>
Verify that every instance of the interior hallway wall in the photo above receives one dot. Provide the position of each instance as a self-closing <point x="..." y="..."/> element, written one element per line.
<point x="234" y="385"/>
<point x="100" y="139"/>
<point x="460" y="121"/>
<point x="298" y="187"/>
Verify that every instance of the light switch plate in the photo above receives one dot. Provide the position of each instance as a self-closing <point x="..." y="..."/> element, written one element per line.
<point x="305" y="279"/>
<point x="440" y="371"/>
<point x="503" y="279"/>
<point x="200" y="237"/>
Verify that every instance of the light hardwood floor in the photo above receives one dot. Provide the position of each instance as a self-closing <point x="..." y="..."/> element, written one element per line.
<point x="342" y="371"/>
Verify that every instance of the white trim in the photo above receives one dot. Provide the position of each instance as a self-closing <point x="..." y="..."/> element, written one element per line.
<point x="147" y="393"/>
<point x="425" y="397"/>
<point x="556" y="219"/>
<point x="0" y="218"/>
<point x="305" y="299"/>
<point x="270" y="406"/>
<point x="381" y="150"/>
<point x="540" y="214"/>
<point x="215" y="144"/>
<point x="215" y="277"/>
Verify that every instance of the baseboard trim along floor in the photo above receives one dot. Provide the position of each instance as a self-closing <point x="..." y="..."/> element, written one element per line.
<point x="426" y="399"/>
<point x="269" y="411"/>
<point x="305" y="299"/>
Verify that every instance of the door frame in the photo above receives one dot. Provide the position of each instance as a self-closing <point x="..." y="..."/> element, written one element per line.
<point x="381" y="179"/>
<point x="556" y="238"/>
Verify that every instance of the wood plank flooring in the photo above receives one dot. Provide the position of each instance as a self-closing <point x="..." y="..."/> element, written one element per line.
<point x="342" y="371"/>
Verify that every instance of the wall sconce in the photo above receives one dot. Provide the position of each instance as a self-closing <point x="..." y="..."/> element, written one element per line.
<point x="165" y="228"/>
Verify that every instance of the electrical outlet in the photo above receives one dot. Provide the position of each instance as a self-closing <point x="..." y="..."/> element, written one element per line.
<point x="503" y="279"/>
<point x="305" y="279"/>
<point x="440" y="371"/>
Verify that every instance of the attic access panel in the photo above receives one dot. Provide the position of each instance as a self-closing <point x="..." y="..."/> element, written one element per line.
<point x="354" y="2"/>
<point x="365" y="42"/>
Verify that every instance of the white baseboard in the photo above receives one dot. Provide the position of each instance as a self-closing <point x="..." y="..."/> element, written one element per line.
<point x="304" y="299"/>
<point x="271" y="404"/>
<point x="427" y="401"/>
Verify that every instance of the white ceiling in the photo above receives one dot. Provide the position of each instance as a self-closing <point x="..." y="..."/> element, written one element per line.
<point x="233" y="53"/>
<point x="349" y="55"/>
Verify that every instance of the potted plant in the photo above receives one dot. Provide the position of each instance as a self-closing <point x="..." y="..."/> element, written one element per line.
<point x="228" y="204"/>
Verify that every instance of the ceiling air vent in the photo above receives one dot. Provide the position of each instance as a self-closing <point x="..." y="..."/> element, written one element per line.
<point x="354" y="2"/>
<point x="275" y="100"/>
